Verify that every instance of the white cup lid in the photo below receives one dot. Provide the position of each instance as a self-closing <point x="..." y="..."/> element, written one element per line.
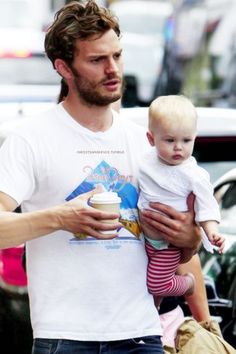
<point x="105" y="198"/>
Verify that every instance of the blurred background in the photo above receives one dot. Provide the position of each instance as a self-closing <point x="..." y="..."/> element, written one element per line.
<point x="170" y="47"/>
<point x="179" y="46"/>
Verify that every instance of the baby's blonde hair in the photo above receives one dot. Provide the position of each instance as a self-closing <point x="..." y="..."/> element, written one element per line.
<point x="172" y="110"/>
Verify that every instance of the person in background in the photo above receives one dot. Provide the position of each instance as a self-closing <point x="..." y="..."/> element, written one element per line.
<point x="86" y="295"/>
<point x="168" y="174"/>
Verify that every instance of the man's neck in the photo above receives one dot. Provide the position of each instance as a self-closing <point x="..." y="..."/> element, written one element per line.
<point x="94" y="118"/>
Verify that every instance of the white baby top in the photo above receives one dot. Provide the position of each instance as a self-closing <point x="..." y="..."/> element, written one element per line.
<point x="172" y="184"/>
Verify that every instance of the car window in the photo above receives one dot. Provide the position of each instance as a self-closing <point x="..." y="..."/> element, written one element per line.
<point x="226" y="197"/>
<point x="29" y="70"/>
<point x="216" y="154"/>
<point x="217" y="169"/>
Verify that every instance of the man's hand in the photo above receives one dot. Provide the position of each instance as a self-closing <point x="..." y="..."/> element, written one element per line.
<point x="78" y="217"/>
<point x="175" y="227"/>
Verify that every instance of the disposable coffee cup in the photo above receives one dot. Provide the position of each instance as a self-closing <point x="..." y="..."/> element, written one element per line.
<point x="107" y="201"/>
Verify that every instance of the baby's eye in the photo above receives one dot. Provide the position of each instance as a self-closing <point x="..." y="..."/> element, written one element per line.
<point x="187" y="140"/>
<point x="169" y="140"/>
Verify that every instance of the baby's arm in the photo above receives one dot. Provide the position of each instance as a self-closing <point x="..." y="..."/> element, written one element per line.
<point x="211" y="229"/>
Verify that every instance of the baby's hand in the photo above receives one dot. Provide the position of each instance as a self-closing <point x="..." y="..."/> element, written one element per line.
<point x="219" y="241"/>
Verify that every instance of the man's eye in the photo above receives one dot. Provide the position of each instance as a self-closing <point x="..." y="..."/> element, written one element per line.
<point x="96" y="60"/>
<point x="117" y="56"/>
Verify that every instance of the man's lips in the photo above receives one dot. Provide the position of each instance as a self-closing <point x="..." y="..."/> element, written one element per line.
<point x="112" y="83"/>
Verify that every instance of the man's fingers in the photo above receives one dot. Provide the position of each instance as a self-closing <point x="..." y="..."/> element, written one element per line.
<point x="170" y="218"/>
<point x="105" y="226"/>
<point x="96" y="229"/>
<point x="102" y="215"/>
<point x="166" y="210"/>
<point x="167" y="230"/>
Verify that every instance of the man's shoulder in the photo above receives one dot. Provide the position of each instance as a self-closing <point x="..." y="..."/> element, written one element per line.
<point x="29" y="125"/>
<point x="130" y="125"/>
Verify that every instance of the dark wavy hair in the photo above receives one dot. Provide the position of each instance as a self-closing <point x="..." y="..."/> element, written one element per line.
<point x="77" y="20"/>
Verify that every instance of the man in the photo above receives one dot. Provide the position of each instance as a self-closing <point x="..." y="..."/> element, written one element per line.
<point x="87" y="294"/>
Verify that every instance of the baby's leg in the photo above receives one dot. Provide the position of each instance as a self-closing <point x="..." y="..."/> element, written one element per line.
<point x="161" y="277"/>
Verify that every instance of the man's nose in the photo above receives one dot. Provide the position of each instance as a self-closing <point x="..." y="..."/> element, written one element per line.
<point x="111" y="66"/>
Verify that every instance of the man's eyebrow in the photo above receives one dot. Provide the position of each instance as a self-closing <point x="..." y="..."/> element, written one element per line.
<point x="101" y="55"/>
<point x="95" y="56"/>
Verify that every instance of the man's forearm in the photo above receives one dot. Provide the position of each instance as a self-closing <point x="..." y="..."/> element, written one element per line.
<point x="74" y="216"/>
<point x="17" y="228"/>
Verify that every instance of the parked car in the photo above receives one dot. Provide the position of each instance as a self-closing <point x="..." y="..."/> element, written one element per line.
<point x="143" y="39"/>
<point x="221" y="269"/>
<point x="215" y="149"/>
<point x="26" y="75"/>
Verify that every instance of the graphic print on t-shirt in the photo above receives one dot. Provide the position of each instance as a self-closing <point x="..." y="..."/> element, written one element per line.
<point x="111" y="180"/>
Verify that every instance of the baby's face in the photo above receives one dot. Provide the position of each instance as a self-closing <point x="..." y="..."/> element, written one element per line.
<point x="174" y="144"/>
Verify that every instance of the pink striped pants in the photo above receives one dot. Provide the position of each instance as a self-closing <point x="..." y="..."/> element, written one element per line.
<point x="161" y="272"/>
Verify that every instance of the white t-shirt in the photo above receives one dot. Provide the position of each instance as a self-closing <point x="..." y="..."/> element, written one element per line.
<point x="171" y="185"/>
<point x="81" y="289"/>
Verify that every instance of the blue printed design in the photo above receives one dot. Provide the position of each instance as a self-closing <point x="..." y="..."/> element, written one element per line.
<point x="111" y="180"/>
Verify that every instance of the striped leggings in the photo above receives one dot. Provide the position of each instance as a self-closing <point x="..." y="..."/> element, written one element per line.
<point x="161" y="272"/>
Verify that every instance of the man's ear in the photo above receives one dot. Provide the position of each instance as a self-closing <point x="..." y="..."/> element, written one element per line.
<point x="150" y="138"/>
<point x="63" y="69"/>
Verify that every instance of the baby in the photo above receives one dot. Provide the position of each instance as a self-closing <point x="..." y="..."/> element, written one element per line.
<point x="169" y="173"/>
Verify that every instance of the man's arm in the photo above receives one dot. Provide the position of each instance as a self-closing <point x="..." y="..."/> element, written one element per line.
<point x="176" y="228"/>
<point x="74" y="216"/>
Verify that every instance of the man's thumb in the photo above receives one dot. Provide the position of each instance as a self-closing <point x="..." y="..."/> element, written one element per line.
<point x="190" y="201"/>
<point x="86" y="196"/>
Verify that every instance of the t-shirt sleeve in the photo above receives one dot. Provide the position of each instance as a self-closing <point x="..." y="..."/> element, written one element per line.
<point x="17" y="175"/>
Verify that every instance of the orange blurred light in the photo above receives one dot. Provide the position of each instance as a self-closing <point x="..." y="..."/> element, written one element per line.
<point x="15" y="54"/>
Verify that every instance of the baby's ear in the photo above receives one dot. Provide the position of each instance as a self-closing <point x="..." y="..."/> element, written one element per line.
<point x="150" y="138"/>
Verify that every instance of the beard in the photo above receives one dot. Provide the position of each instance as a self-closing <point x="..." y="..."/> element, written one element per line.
<point x="88" y="90"/>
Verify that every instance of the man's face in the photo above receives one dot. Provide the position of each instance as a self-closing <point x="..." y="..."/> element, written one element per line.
<point x="97" y="69"/>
